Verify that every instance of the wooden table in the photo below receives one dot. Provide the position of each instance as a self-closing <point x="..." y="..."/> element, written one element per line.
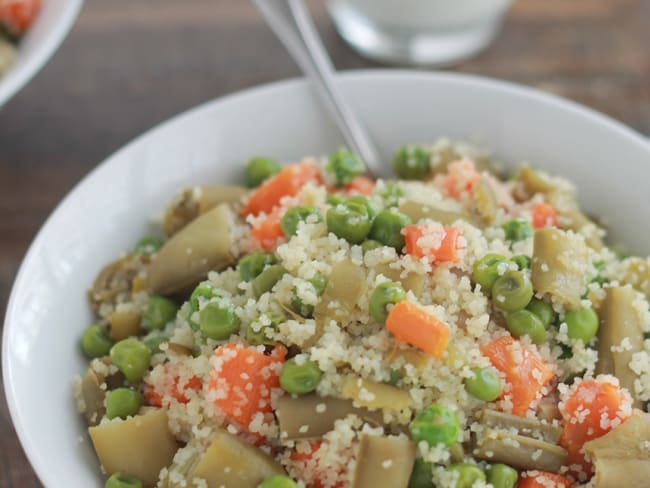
<point x="129" y="64"/>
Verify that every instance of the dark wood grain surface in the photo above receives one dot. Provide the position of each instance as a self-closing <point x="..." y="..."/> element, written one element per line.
<point x="129" y="64"/>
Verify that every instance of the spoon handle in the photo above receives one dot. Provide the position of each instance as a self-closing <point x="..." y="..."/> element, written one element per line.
<point x="293" y="25"/>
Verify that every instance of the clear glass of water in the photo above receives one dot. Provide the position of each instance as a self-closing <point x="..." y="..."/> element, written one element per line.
<point x="421" y="32"/>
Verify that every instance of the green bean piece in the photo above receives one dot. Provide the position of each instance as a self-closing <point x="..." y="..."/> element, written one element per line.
<point x="524" y="322"/>
<point x="278" y="481"/>
<point x="387" y="228"/>
<point x="148" y="245"/>
<point x="154" y="343"/>
<point x="122" y="480"/>
<point x="422" y="475"/>
<point x="517" y="230"/>
<point x="412" y="162"/>
<point x="468" y="474"/>
<point x="96" y="341"/>
<point x="123" y="402"/>
<point x="259" y="169"/>
<point x="391" y="193"/>
<point x="218" y="321"/>
<point x="512" y="291"/>
<point x="349" y="221"/>
<point x="582" y="324"/>
<point x="488" y="269"/>
<point x="159" y="312"/>
<point x="522" y="261"/>
<point x="252" y="265"/>
<point x="371" y="206"/>
<point x="267" y="279"/>
<point x="344" y="167"/>
<point x="369" y="245"/>
<point x="543" y="310"/>
<point x="319" y="282"/>
<point x="132" y="358"/>
<point x="485" y="385"/>
<point x="383" y="295"/>
<point x="297" y="214"/>
<point x="502" y="476"/>
<point x="436" y="425"/>
<point x="299" y="379"/>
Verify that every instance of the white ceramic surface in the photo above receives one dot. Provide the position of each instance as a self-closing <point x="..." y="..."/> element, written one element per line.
<point x="39" y="43"/>
<point x="110" y="208"/>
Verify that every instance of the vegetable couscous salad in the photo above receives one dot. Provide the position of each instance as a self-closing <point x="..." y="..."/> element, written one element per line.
<point x="449" y="328"/>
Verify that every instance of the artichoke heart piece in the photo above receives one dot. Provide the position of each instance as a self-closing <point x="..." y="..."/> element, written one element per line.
<point x="373" y="395"/>
<point x="524" y="426"/>
<point x="384" y="461"/>
<point x="345" y="286"/>
<point x="418" y="211"/>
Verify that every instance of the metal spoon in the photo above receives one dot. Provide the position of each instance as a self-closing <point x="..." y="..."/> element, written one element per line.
<point x="292" y="23"/>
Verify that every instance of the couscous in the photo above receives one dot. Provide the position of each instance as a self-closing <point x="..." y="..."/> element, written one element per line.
<point x="449" y="328"/>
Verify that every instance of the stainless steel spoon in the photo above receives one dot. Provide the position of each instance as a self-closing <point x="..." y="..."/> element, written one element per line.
<point x="292" y="23"/>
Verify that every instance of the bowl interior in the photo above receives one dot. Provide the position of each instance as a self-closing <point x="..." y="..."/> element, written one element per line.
<point x="116" y="204"/>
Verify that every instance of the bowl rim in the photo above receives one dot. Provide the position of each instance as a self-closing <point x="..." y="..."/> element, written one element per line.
<point x="343" y="77"/>
<point x="19" y="76"/>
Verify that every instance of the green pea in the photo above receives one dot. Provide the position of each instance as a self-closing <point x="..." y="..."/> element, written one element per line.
<point x="502" y="476"/>
<point x="349" y="221"/>
<point x="525" y="323"/>
<point x="517" y="230"/>
<point x="295" y="215"/>
<point x="278" y="481"/>
<point x="334" y="199"/>
<point x="488" y="269"/>
<point x="154" y="343"/>
<point x="371" y="206"/>
<point x="259" y="169"/>
<point x="582" y="324"/>
<point x="436" y="425"/>
<point x="383" y="295"/>
<point x="132" y="358"/>
<point x="387" y="228"/>
<point x="203" y="292"/>
<point x="421" y="475"/>
<point x="251" y="265"/>
<point x="299" y="379"/>
<point x="468" y="474"/>
<point x="121" y="480"/>
<point x="412" y="162"/>
<point x="344" y="167"/>
<point x="522" y="261"/>
<point x="123" y="402"/>
<point x="148" y="245"/>
<point x="259" y="337"/>
<point x="391" y="193"/>
<point x="369" y="245"/>
<point x="319" y="282"/>
<point x="485" y="385"/>
<point x="159" y="312"/>
<point x="218" y="321"/>
<point x="543" y="310"/>
<point x="267" y="279"/>
<point x="96" y="342"/>
<point x="512" y="291"/>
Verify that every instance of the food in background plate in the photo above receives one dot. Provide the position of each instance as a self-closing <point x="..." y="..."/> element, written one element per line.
<point x="15" y="18"/>
<point x="449" y="328"/>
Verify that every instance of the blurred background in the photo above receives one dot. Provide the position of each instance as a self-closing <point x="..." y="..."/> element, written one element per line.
<point x="130" y="64"/>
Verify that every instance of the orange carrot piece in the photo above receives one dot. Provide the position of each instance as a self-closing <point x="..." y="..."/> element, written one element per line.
<point x="446" y="250"/>
<point x="303" y="458"/>
<point x="417" y="327"/>
<point x="17" y="15"/>
<point x="544" y="215"/>
<point x="266" y="232"/>
<point x="243" y="379"/>
<point x="287" y="182"/>
<point x="591" y="409"/>
<point x="155" y="395"/>
<point x="360" y="185"/>
<point x="525" y="371"/>
<point x="461" y="177"/>
<point x="542" y="479"/>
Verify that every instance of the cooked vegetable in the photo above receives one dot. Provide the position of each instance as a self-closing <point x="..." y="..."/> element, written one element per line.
<point x="266" y="231"/>
<point x="436" y="425"/>
<point x="123" y="402"/>
<point x="278" y="481"/>
<point x="297" y="214"/>
<point x="231" y="461"/>
<point x="468" y="474"/>
<point x="512" y="291"/>
<point x="412" y="162"/>
<point x="417" y="211"/>
<point x="360" y="185"/>
<point x="260" y="169"/>
<point x="202" y="293"/>
<point x="121" y="480"/>
<point x="485" y="385"/>
<point x="93" y="396"/>
<point x="300" y="378"/>
<point x="522" y="261"/>
<point x="373" y="395"/>
<point x="371" y="206"/>
<point x="411" y="282"/>
<point x="349" y="221"/>
<point x="384" y="294"/>
<point x="159" y="311"/>
<point x="387" y="228"/>
<point x="582" y="324"/>
<point x="251" y="265"/>
<point x="96" y="341"/>
<point x="488" y="269"/>
<point x="543" y="311"/>
<point x="140" y="446"/>
<point x="486" y="204"/>
<point x="502" y="476"/>
<point x="124" y="322"/>
<point x="383" y="461"/>
<point x="267" y="279"/>
<point x="544" y="215"/>
<point x="542" y="479"/>
<point x="132" y="358"/>
<point x="219" y="321"/>
<point x="344" y="167"/>
<point x="438" y="246"/>
<point x="422" y="475"/>
<point x="148" y="245"/>
<point x="345" y="284"/>
<point x="411" y="324"/>
<point x="319" y="282"/>
<point x="560" y="262"/>
<point x="517" y="230"/>
<point x="525" y="426"/>
<point x="526" y="323"/>
<point x="115" y="281"/>
<point x="185" y="259"/>
<point x="369" y="245"/>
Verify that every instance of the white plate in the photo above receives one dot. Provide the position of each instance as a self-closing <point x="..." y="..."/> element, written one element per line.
<point x="39" y="43"/>
<point x="109" y="210"/>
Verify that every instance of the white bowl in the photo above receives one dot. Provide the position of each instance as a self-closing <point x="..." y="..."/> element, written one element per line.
<point x="112" y="206"/>
<point x="39" y="43"/>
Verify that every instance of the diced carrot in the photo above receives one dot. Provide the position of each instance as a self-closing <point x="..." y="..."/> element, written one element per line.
<point x="287" y="182"/>
<point x="542" y="479"/>
<point x="524" y="369"/>
<point x="155" y="394"/>
<point x="305" y="459"/>
<point x="361" y="185"/>
<point x="544" y="215"/>
<point x="417" y="327"/>
<point x="266" y="232"/>
<point x="17" y="15"/>
<point x="443" y="245"/>
<point x="243" y="380"/>
<point x="591" y="408"/>
<point x="461" y="177"/>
